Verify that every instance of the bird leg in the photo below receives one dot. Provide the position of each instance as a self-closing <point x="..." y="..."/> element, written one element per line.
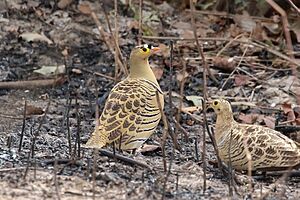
<point x="134" y="151"/>
<point x="114" y="149"/>
<point x="120" y="143"/>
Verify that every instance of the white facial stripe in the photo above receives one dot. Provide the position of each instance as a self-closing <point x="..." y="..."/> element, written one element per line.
<point x="146" y="46"/>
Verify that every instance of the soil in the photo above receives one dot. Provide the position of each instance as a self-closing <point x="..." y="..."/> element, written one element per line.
<point x="49" y="164"/>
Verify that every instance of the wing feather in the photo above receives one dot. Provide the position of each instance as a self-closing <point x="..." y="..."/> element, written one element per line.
<point x="268" y="148"/>
<point x="131" y="114"/>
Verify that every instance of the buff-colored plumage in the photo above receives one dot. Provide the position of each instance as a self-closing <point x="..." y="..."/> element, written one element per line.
<point x="269" y="149"/>
<point x="131" y="113"/>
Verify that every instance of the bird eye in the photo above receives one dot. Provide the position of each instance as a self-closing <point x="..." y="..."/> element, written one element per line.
<point x="215" y="103"/>
<point x="144" y="49"/>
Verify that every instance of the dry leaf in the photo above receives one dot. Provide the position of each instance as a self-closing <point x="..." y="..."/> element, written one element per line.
<point x="84" y="8"/>
<point x="182" y="25"/>
<point x="291" y="116"/>
<point x="249" y="118"/>
<point x="165" y="8"/>
<point x="149" y="148"/>
<point x="258" y="32"/>
<point x="241" y="80"/>
<point x="44" y="96"/>
<point x="273" y="28"/>
<point x="180" y="75"/>
<point x="297" y="111"/>
<point x="190" y="109"/>
<point x="288" y="110"/>
<point x="64" y="3"/>
<point x="190" y="122"/>
<point x="197" y="100"/>
<point x="224" y="63"/>
<point x="33" y="37"/>
<point x="269" y="121"/>
<point x="287" y="107"/>
<point x="164" y="49"/>
<point x="51" y="70"/>
<point x="295" y="27"/>
<point x="158" y="71"/>
<point x="133" y="24"/>
<point x="245" y="21"/>
<point x="76" y="71"/>
<point x="187" y="33"/>
<point x="65" y="52"/>
<point x="33" y="110"/>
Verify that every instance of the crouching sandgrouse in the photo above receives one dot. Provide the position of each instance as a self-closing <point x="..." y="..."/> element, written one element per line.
<point x="269" y="149"/>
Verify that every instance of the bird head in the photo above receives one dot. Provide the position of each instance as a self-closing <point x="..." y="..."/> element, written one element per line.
<point x="220" y="106"/>
<point x="143" y="51"/>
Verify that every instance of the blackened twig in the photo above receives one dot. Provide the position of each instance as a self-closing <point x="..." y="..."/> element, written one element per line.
<point x="205" y="70"/>
<point x="171" y="77"/>
<point x="27" y="166"/>
<point x="140" y="22"/>
<point x="213" y="139"/>
<point x="182" y="82"/>
<point x="243" y="41"/>
<point x="55" y="180"/>
<point x="95" y="156"/>
<point x="170" y="103"/>
<point x="230" y="179"/>
<point x="32" y="84"/>
<point x="196" y="149"/>
<point x="165" y="131"/>
<point x="68" y="126"/>
<point x="294" y="6"/>
<point x="124" y="158"/>
<point x="23" y="126"/>
<point x="186" y="134"/>
<point x="285" y="25"/>
<point x="106" y="42"/>
<point x="78" y="116"/>
<point x="36" y="134"/>
<point x="282" y="179"/>
<point x="116" y="40"/>
<point x="168" y="174"/>
<point x="249" y="158"/>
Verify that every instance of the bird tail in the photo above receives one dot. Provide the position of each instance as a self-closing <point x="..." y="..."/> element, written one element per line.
<point x="96" y="141"/>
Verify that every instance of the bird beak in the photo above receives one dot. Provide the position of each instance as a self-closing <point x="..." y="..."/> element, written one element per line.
<point x="155" y="50"/>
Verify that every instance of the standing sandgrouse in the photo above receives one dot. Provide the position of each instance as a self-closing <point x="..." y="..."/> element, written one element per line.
<point x="131" y="113"/>
<point x="269" y="149"/>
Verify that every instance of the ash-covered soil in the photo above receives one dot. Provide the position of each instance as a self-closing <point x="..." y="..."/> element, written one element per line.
<point x="48" y="165"/>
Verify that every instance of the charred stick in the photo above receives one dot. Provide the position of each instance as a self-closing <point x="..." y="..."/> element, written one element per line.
<point x="140" y="22"/>
<point x="124" y="158"/>
<point x="205" y="70"/>
<point x="32" y="84"/>
<point x="230" y="179"/>
<point x="165" y="131"/>
<point x="77" y="143"/>
<point x="68" y="127"/>
<point x="95" y="156"/>
<point x="23" y="126"/>
<point x="55" y="180"/>
<point x="36" y="134"/>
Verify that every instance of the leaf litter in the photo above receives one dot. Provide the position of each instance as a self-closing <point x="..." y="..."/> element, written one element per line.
<point x="260" y="84"/>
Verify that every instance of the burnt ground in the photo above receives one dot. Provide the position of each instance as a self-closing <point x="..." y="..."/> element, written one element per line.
<point x="263" y="90"/>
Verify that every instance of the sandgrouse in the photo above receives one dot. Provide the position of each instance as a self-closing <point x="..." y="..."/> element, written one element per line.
<point x="269" y="149"/>
<point x="131" y="113"/>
